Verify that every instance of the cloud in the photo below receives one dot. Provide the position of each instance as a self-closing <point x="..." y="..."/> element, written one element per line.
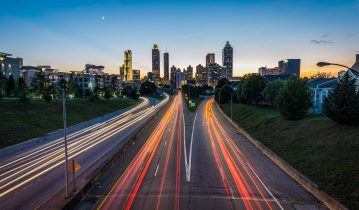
<point x="320" y="42"/>
<point x="325" y="36"/>
<point x="350" y="35"/>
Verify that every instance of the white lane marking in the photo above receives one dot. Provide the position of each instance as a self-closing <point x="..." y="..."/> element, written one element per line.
<point x="158" y="165"/>
<point x="280" y="206"/>
<point x="184" y="142"/>
<point x="188" y="174"/>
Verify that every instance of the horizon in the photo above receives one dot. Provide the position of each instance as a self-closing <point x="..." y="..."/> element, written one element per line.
<point x="67" y="35"/>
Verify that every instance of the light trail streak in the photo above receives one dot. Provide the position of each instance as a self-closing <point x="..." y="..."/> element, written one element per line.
<point x="168" y="152"/>
<point x="229" y="147"/>
<point x="35" y="163"/>
<point x="133" y="172"/>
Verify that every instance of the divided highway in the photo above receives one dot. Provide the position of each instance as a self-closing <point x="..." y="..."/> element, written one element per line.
<point x="36" y="175"/>
<point x="199" y="161"/>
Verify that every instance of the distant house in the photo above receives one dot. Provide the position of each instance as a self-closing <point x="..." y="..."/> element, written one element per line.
<point x="354" y="72"/>
<point x="320" y="88"/>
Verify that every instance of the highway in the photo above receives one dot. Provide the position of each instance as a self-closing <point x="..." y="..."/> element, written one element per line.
<point x="29" y="179"/>
<point x="199" y="161"/>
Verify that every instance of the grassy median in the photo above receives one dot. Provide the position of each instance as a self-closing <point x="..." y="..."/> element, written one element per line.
<point x="324" y="151"/>
<point x="20" y="122"/>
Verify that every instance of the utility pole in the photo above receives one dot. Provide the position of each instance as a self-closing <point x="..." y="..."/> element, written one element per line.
<point x="231" y="105"/>
<point x="65" y="140"/>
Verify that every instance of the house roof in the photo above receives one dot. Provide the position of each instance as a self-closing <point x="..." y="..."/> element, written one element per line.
<point x="322" y="83"/>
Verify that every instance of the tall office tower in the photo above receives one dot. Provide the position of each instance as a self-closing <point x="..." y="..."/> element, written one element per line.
<point x="227" y="59"/>
<point x="128" y="65"/>
<point x="210" y="59"/>
<point x="189" y="73"/>
<point x="122" y="73"/>
<point x="201" y="75"/>
<point x="214" y="73"/>
<point x="290" y="66"/>
<point x="156" y="63"/>
<point x="166" y="67"/>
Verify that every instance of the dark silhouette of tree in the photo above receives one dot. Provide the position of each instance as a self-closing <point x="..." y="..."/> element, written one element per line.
<point x="294" y="99"/>
<point x="23" y="92"/>
<point x="271" y="91"/>
<point x="342" y="104"/>
<point x="147" y="88"/>
<point x="10" y="86"/>
<point x="252" y="87"/>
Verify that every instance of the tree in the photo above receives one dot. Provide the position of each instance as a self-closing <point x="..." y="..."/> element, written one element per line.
<point x="294" y="99"/>
<point x="252" y="88"/>
<point x="108" y="93"/>
<point x="226" y="93"/>
<point x="222" y="82"/>
<point x="147" y="88"/>
<point x="191" y="91"/>
<point x="23" y="92"/>
<point x="321" y="75"/>
<point x="42" y="87"/>
<point x="342" y="104"/>
<point x="10" y="86"/>
<point x="2" y="84"/>
<point x="271" y="91"/>
<point x="131" y="92"/>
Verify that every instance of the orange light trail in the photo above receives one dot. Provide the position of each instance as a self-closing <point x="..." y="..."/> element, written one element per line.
<point x="144" y="156"/>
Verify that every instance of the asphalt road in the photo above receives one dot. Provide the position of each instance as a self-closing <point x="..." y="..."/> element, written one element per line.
<point x="199" y="161"/>
<point x="31" y="177"/>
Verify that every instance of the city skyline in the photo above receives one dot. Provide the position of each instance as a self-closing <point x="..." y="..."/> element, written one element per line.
<point x="62" y="34"/>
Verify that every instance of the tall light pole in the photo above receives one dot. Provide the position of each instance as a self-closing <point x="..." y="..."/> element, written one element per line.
<point x="322" y="64"/>
<point x="64" y="91"/>
<point x="232" y="105"/>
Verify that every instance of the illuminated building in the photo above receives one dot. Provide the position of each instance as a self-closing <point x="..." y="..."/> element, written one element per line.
<point x="128" y="74"/>
<point x="10" y="66"/>
<point x="214" y="73"/>
<point x="156" y="63"/>
<point x="166" y="67"/>
<point x="189" y="73"/>
<point x="227" y="59"/>
<point x="136" y="75"/>
<point x="210" y="59"/>
<point x="201" y="75"/>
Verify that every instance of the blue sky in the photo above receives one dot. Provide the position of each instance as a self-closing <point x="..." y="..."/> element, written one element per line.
<point x="69" y="34"/>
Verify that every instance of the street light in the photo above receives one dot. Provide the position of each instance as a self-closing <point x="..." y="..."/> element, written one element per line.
<point x="323" y="64"/>
<point x="64" y="91"/>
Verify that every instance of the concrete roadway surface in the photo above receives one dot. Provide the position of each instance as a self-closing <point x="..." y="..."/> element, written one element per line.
<point x="199" y="161"/>
<point x="30" y="178"/>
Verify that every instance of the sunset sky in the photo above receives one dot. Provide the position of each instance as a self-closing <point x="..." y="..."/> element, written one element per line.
<point x="69" y="34"/>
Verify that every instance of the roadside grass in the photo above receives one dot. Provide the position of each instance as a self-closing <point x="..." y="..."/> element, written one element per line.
<point x="20" y="122"/>
<point x="324" y="151"/>
<point x="197" y="103"/>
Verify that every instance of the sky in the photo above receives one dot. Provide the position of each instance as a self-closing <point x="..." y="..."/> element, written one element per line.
<point x="68" y="34"/>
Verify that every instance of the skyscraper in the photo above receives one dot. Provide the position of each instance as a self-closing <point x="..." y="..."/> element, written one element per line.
<point x="201" y="75"/>
<point x="227" y="59"/>
<point x="156" y="63"/>
<point x="290" y="67"/>
<point x="210" y="59"/>
<point x="189" y="73"/>
<point x="128" y="66"/>
<point x="166" y="66"/>
<point x="214" y="73"/>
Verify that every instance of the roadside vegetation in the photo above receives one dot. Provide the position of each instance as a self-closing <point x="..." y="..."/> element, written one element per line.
<point x="325" y="147"/>
<point x="21" y="122"/>
<point x="323" y="150"/>
<point x="191" y="94"/>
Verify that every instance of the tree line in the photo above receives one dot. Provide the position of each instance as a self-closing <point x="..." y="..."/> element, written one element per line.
<point x="292" y="97"/>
